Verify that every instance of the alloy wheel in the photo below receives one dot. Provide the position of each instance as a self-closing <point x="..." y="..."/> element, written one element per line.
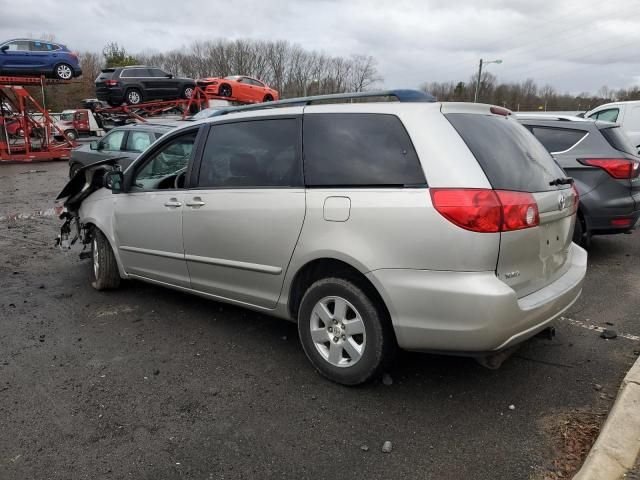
<point x="337" y="331"/>
<point x="64" y="72"/>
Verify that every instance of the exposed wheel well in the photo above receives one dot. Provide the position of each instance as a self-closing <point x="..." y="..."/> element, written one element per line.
<point x="329" y="267"/>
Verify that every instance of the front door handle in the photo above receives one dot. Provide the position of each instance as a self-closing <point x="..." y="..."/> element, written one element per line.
<point x="172" y="203"/>
<point x="195" y="203"/>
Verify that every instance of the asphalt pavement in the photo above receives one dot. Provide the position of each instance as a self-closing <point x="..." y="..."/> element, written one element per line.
<point x="149" y="383"/>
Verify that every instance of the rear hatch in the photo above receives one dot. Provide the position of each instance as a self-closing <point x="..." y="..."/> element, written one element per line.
<point x="105" y="74"/>
<point x="514" y="161"/>
<point x="619" y="140"/>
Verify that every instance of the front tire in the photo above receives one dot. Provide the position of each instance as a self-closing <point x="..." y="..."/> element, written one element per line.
<point x="344" y="332"/>
<point x="268" y="98"/>
<point x="105" y="268"/>
<point x="63" y="71"/>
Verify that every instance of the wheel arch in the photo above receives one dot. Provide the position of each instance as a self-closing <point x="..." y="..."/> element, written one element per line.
<point x="92" y="222"/>
<point x="325" y="267"/>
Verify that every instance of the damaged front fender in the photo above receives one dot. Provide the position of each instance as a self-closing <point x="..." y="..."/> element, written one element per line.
<point x="86" y="181"/>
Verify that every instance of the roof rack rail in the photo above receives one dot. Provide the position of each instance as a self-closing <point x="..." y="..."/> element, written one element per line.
<point x="400" y="95"/>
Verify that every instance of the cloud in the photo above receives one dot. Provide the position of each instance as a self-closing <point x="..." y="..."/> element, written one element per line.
<point x="574" y="45"/>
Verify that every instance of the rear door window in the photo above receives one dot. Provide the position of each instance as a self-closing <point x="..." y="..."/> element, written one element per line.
<point x="256" y="153"/>
<point x="138" y="141"/>
<point x="511" y="157"/>
<point x="557" y="139"/>
<point x="359" y="149"/>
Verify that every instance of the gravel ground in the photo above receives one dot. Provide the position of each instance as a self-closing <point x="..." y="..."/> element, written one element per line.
<point x="150" y="383"/>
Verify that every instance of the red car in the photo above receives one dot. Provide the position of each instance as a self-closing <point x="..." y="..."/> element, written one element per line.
<point x="239" y="88"/>
<point x="13" y="125"/>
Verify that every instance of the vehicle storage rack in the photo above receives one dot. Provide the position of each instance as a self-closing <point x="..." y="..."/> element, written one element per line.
<point x="143" y="111"/>
<point x="38" y="142"/>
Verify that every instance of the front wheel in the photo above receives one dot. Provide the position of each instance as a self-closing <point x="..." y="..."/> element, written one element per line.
<point x="71" y="134"/>
<point x="63" y="72"/>
<point x="344" y="332"/>
<point x="105" y="268"/>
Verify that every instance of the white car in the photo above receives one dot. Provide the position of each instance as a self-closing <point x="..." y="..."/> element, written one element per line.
<point x="625" y="114"/>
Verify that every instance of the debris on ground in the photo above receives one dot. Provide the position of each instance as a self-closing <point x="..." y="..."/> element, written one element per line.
<point x="387" y="380"/>
<point x="387" y="447"/>
<point x="364" y="448"/>
<point x="608" y="334"/>
<point x="512" y="407"/>
<point x="573" y="434"/>
<point x="597" y="387"/>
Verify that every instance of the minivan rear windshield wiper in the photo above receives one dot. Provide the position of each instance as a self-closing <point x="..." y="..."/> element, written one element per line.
<point x="561" y="181"/>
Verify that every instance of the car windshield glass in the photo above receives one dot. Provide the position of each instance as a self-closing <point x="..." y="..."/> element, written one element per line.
<point x="233" y="77"/>
<point x="67" y="117"/>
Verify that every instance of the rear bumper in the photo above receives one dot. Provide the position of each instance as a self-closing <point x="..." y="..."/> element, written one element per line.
<point x="114" y="96"/>
<point x="603" y="213"/>
<point x="469" y="312"/>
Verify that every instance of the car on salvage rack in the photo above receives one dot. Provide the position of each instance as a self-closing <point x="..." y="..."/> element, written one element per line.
<point x="26" y="56"/>
<point x="240" y="88"/>
<point x="440" y="227"/>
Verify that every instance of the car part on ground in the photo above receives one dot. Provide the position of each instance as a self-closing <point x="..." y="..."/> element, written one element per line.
<point x="137" y="84"/>
<point x="440" y="227"/>
<point x="600" y="159"/>
<point x="240" y="88"/>
<point x="26" y="56"/>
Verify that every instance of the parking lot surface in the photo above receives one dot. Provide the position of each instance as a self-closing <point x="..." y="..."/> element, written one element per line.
<point x="145" y="382"/>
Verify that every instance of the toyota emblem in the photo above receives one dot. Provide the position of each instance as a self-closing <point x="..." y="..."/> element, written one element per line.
<point x="562" y="202"/>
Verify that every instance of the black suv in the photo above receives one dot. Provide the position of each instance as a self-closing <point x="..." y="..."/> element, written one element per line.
<point x="137" y="84"/>
<point x="602" y="162"/>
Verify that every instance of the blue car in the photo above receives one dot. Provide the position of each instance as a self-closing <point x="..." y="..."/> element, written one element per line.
<point x="38" y="57"/>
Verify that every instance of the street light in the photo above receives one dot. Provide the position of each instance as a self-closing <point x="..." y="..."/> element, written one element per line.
<point x="482" y="62"/>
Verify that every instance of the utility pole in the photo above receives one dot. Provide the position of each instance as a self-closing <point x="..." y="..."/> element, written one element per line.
<point x="475" y="97"/>
<point x="482" y="62"/>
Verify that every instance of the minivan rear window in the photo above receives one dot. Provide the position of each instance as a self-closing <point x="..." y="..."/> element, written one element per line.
<point x="618" y="140"/>
<point x="359" y="150"/>
<point x="511" y="157"/>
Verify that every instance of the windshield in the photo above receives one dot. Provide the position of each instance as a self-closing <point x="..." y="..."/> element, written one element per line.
<point x="233" y="77"/>
<point x="67" y="117"/>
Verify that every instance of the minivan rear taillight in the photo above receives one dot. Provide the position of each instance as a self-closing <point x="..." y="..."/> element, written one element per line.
<point x="111" y="83"/>
<point x="486" y="211"/>
<point x="622" y="168"/>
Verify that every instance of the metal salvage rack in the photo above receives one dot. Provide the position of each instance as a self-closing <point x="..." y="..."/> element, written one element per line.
<point x="38" y="142"/>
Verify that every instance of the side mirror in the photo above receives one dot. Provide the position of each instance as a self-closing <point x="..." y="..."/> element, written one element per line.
<point x="94" y="145"/>
<point x="4" y="48"/>
<point x="114" y="180"/>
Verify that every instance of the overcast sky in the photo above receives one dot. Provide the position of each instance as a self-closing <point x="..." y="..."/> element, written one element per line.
<point x="574" y="45"/>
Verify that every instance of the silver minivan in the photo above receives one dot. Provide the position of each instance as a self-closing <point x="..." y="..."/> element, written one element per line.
<point x="439" y="227"/>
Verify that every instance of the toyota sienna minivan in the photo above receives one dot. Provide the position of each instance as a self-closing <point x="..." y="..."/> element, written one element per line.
<point x="439" y="227"/>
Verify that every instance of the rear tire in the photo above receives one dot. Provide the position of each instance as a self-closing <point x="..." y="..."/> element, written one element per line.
<point x="133" y="96"/>
<point x="345" y="333"/>
<point x="105" y="268"/>
<point x="187" y="92"/>
<point x="579" y="232"/>
<point x="63" y="71"/>
<point x="225" y="90"/>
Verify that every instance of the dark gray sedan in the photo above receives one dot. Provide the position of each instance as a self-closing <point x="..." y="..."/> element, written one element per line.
<point x="126" y="142"/>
